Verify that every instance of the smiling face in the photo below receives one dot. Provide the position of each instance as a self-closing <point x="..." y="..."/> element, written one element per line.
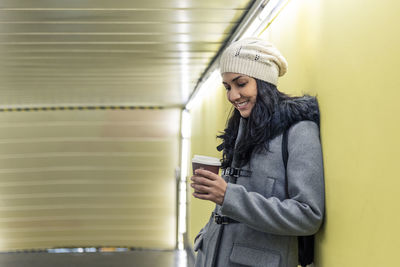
<point x="241" y="91"/>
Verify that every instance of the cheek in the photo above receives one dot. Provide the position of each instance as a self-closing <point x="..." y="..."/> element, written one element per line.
<point x="228" y="96"/>
<point x="253" y="103"/>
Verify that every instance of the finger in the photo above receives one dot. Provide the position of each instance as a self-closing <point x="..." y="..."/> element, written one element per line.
<point x="201" y="196"/>
<point x="202" y="181"/>
<point x="205" y="173"/>
<point x="195" y="178"/>
<point x="200" y="188"/>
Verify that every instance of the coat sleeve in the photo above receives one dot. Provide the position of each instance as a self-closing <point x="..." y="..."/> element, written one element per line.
<point x="302" y="213"/>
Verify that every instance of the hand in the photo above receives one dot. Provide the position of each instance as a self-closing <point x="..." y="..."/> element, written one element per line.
<point x="208" y="186"/>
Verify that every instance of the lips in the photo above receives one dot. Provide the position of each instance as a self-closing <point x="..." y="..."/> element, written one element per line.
<point x="242" y="105"/>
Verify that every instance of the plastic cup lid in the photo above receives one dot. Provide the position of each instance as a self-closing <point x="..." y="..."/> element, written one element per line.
<point x="206" y="160"/>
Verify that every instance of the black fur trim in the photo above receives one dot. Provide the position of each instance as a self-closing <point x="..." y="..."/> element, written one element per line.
<point x="293" y="110"/>
<point x="299" y="109"/>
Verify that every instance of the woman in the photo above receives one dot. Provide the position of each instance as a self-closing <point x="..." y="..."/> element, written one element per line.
<point x="261" y="205"/>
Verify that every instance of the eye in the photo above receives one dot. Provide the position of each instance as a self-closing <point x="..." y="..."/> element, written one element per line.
<point x="242" y="84"/>
<point x="227" y="87"/>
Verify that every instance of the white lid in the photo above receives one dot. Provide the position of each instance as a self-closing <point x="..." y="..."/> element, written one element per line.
<point x="206" y="160"/>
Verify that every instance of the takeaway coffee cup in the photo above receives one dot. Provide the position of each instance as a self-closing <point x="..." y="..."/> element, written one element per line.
<point x="204" y="162"/>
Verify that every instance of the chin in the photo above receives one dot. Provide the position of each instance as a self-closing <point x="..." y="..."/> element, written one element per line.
<point x="245" y="114"/>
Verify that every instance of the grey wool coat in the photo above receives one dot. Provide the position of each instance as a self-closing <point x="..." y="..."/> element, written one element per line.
<point x="269" y="220"/>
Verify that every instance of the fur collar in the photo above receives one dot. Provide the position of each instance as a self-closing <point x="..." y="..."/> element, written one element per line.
<point x="299" y="109"/>
<point x="292" y="111"/>
<point x="287" y="113"/>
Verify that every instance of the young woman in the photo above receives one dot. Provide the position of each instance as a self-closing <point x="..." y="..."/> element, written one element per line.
<point x="261" y="204"/>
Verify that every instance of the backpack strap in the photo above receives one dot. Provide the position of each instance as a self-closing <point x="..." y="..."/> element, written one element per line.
<point x="285" y="156"/>
<point x="305" y="243"/>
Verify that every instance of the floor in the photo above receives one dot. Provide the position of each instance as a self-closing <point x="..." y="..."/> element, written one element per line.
<point x="142" y="258"/>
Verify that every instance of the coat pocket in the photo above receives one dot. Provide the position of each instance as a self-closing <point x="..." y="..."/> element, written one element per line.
<point x="255" y="257"/>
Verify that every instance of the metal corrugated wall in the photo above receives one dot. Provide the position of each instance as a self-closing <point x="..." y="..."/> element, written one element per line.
<point x="97" y="177"/>
<point x="129" y="52"/>
<point x="88" y="178"/>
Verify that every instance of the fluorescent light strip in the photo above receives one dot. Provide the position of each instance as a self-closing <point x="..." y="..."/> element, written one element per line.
<point x="182" y="194"/>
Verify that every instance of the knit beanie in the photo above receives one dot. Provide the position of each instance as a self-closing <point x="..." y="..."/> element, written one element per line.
<point x="254" y="57"/>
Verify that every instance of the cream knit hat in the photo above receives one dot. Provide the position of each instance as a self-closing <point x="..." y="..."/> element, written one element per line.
<point x="254" y="57"/>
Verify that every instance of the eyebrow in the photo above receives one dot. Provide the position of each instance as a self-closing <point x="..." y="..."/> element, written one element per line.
<point x="234" y="79"/>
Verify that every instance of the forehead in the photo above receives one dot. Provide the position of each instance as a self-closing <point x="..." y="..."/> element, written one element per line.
<point x="230" y="76"/>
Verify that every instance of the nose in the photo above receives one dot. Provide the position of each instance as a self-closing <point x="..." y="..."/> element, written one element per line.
<point x="233" y="94"/>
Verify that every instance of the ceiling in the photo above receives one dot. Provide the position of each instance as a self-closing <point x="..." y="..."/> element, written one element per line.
<point x="101" y="52"/>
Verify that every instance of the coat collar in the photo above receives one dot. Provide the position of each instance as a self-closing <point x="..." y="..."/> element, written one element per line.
<point x="290" y="112"/>
<point x="299" y="109"/>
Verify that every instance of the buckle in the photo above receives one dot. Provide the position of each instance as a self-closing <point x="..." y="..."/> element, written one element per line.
<point x="233" y="172"/>
<point x="218" y="219"/>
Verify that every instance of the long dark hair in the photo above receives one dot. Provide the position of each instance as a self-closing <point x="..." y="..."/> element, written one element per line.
<point x="263" y="124"/>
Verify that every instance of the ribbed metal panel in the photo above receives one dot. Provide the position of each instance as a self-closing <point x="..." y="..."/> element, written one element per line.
<point x="147" y="52"/>
<point x="98" y="177"/>
<point x="88" y="178"/>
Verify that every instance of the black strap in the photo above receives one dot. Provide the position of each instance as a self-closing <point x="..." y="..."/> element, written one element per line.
<point x="236" y="172"/>
<point x="219" y="219"/>
<point x="305" y="243"/>
<point x="285" y="156"/>
<point x="222" y="220"/>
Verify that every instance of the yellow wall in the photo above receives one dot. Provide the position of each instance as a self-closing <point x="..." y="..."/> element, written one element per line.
<point x="347" y="53"/>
